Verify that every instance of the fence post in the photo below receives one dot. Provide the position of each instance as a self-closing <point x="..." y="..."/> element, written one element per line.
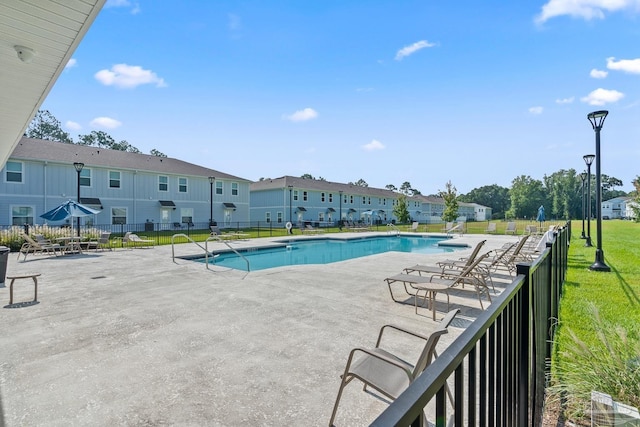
<point x="526" y="355"/>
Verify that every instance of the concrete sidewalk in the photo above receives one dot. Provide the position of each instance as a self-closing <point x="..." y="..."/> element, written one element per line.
<point x="130" y="337"/>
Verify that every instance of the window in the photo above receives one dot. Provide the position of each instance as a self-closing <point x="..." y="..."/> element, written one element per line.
<point x="219" y="187"/>
<point x="368" y="200"/>
<point x="114" y="179"/>
<point x="118" y="215"/>
<point x="85" y="177"/>
<point x="321" y="216"/>
<point x="21" y="215"/>
<point x="186" y="216"/>
<point x="163" y="183"/>
<point x="330" y="198"/>
<point x="295" y="195"/>
<point x="364" y="200"/>
<point x="280" y="218"/>
<point x="14" y="172"/>
<point x="267" y="217"/>
<point x="182" y="185"/>
<point x="304" y="196"/>
<point x="322" y="197"/>
<point x="234" y="188"/>
<point x="351" y="199"/>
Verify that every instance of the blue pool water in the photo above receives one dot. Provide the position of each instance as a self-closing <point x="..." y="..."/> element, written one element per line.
<point x="325" y="251"/>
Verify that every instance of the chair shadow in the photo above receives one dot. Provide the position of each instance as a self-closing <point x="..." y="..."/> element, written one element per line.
<point x="22" y="304"/>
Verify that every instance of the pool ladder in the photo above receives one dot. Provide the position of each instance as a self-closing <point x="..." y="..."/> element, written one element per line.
<point x="393" y="229"/>
<point x="207" y="254"/>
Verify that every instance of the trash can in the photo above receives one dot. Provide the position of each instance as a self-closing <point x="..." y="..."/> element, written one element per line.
<point x="148" y="226"/>
<point x="4" y="259"/>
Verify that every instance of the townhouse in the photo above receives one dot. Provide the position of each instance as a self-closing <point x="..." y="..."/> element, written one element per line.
<point x="127" y="188"/>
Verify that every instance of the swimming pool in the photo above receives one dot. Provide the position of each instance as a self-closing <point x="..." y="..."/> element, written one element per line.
<point x="326" y="251"/>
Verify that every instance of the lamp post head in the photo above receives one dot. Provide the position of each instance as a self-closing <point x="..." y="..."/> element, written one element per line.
<point x="583" y="176"/>
<point x="597" y="118"/>
<point x="212" y="179"/>
<point x="588" y="158"/>
<point x="78" y="166"/>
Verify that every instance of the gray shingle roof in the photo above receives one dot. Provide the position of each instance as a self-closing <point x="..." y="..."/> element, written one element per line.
<point x="318" y="185"/>
<point x="58" y="152"/>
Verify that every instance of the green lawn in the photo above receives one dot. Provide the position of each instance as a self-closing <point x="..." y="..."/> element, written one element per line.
<point x="598" y="339"/>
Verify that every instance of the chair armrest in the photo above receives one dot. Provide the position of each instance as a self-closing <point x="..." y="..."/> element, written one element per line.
<point x="399" y="329"/>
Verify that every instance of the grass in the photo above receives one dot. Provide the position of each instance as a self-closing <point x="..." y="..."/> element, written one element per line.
<point x="598" y="340"/>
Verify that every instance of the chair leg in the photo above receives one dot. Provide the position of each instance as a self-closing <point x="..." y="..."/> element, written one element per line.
<point x="343" y="383"/>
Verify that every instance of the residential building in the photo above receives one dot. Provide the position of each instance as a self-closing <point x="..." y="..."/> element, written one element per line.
<point x="614" y="208"/>
<point x="127" y="188"/>
<point x="322" y="203"/>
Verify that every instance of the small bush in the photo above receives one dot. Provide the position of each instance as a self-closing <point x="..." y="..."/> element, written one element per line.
<point x="610" y="366"/>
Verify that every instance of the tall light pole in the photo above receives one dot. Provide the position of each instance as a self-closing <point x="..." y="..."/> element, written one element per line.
<point x="78" y="167"/>
<point x="290" y="203"/>
<point x="212" y="180"/>
<point x="340" y="219"/>
<point x="597" y="120"/>
<point x="588" y="159"/>
<point x="583" y="176"/>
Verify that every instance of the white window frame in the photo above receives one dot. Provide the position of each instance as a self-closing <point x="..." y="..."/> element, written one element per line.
<point x="20" y="172"/>
<point x="113" y="215"/>
<point x="160" y="183"/>
<point x="28" y="218"/>
<point x="85" y="177"/>
<point x="181" y="184"/>
<point x="267" y="217"/>
<point x="219" y="191"/>
<point x="235" y="189"/>
<point x="119" y="179"/>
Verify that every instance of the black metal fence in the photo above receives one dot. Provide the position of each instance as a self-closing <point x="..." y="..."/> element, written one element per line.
<point x="500" y="362"/>
<point x="10" y="236"/>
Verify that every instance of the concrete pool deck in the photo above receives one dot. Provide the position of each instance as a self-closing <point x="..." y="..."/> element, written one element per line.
<point x="130" y="337"/>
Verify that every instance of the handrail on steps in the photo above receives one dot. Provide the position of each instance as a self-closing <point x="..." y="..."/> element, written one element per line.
<point x="205" y="248"/>
<point x="393" y="228"/>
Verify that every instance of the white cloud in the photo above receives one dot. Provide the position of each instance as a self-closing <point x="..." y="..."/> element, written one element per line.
<point x="234" y="22"/>
<point x="135" y="7"/>
<point x="585" y="9"/>
<point x="536" y="110"/>
<point x="105" y="122"/>
<point x="598" y="74"/>
<point x="72" y="125"/>
<point x="410" y="50"/>
<point x="72" y="63"/>
<point x="128" y="76"/>
<point x="374" y="145"/>
<point x="302" y="115"/>
<point x="565" y="100"/>
<point x="602" y="96"/>
<point x="627" y="65"/>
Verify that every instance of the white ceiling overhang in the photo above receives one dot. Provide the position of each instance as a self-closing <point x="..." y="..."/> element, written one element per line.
<point x="52" y="30"/>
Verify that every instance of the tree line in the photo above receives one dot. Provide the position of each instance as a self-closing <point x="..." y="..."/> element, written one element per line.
<point x="561" y="192"/>
<point x="45" y="126"/>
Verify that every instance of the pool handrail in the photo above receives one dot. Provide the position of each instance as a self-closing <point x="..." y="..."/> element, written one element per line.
<point x="218" y="239"/>
<point x="205" y="248"/>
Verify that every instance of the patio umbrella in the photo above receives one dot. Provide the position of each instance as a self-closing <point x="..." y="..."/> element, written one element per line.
<point x="69" y="209"/>
<point x="540" y="217"/>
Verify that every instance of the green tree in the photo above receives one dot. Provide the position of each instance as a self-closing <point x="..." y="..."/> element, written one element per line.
<point x="157" y="153"/>
<point x="493" y="196"/>
<point x="45" y="126"/>
<point x="564" y="194"/>
<point x="360" y="183"/>
<point x="636" y="205"/>
<point x="527" y="194"/>
<point x="401" y="210"/>
<point x="98" y="138"/>
<point x="407" y="190"/>
<point x="608" y="187"/>
<point x="307" y="176"/>
<point x="391" y="187"/>
<point x="450" y="197"/>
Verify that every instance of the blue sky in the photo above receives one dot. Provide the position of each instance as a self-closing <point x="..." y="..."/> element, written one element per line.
<point x="477" y="93"/>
